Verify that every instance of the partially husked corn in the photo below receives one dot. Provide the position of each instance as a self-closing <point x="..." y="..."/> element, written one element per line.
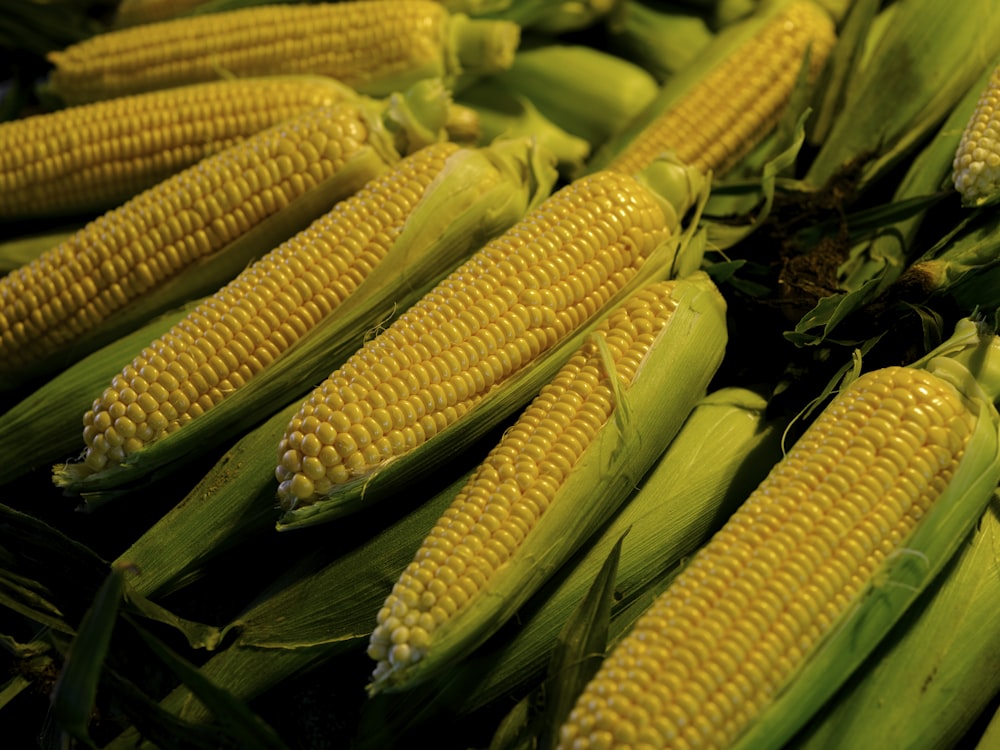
<point x="513" y="300"/>
<point x="726" y="113"/>
<point x="94" y="157"/>
<point x="253" y="320"/>
<point x="375" y="48"/>
<point x="509" y="492"/>
<point x="739" y="621"/>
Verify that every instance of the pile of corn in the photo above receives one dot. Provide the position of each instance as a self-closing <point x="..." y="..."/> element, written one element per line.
<point x="500" y="374"/>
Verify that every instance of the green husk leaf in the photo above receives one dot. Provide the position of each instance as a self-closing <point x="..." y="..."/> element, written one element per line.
<point x="969" y="360"/>
<point x="663" y="40"/>
<point x="576" y="657"/>
<point x="915" y="60"/>
<point x="76" y="689"/>
<point x="480" y="193"/>
<point x="246" y="728"/>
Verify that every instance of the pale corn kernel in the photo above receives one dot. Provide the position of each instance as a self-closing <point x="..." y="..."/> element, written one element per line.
<point x="730" y="110"/>
<point x="976" y="166"/>
<point x="496" y="510"/>
<point x="417" y="354"/>
<point x="323" y="253"/>
<point x="768" y="607"/>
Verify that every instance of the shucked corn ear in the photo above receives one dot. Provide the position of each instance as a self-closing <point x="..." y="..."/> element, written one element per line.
<point x="132" y="261"/>
<point x="799" y="585"/>
<point x="375" y="48"/>
<point x="713" y="113"/>
<point x="976" y="172"/>
<point x="96" y="156"/>
<point x="572" y="457"/>
<point x="492" y="318"/>
<point x="420" y="217"/>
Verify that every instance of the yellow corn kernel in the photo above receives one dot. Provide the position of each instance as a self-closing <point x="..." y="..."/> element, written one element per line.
<point x="516" y="298"/>
<point x="509" y="492"/>
<point x="97" y="156"/>
<point x="130" y="251"/>
<point x="976" y="167"/>
<point x="741" y="99"/>
<point x="736" y="625"/>
<point x="375" y="48"/>
<point x="229" y="338"/>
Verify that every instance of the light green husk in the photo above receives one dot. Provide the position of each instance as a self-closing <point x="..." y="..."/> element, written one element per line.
<point x="936" y="671"/>
<point x="586" y="91"/>
<point x="398" y="125"/>
<point x="479" y="194"/>
<point x="663" y="40"/>
<point x="970" y="360"/>
<point x="677" y="188"/>
<point x="648" y="412"/>
<point x="504" y="113"/>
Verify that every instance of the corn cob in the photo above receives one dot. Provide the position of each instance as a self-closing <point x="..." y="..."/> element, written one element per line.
<point x="976" y="169"/>
<point x="96" y="156"/>
<point x="748" y="72"/>
<point x="493" y="318"/>
<point x="404" y="228"/>
<point x="557" y="475"/>
<point x="940" y="664"/>
<point x="376" y="48"/>
<point x="131" y="262"/>
<point x="805" y="578"/>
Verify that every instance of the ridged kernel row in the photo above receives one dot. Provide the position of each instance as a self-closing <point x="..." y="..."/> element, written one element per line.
<point x="255" y="318"/>
<point x="516" y="483"/>
<point x="99" y="155"/>
<point x="116" y="258"/>
<point x="976" y="167"/>
<point x="514" y="299"/>
<point x="353" y="43"/>
<point x="728" y="634"/>
<point x="741" y="99"/>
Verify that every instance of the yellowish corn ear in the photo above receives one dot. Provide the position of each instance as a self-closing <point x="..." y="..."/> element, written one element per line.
<point x="166" y="244"/>
<point x="559" y="472"/>
<point x="374" y="47"/>
<point x="96" y="156"/>
<point x="713" y="113"/>
<point x="801" y="583"/>
<point x="494" y="317"/>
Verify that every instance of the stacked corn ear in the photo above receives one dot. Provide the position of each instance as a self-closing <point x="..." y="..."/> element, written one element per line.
<point x="773" y="614"/>
<point x="264" y="339"/>
<point x="96" y="156"/>
<point x="587" y="92"/>
<point x="940" y="665"/>
<point x="718" y="109"/>
<point x="481" y="342"/>
<point x="722" y="451"/>
<point x="558" y="474"/>
<point x="376" y="48"/>
<point x="187" y="235"/>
